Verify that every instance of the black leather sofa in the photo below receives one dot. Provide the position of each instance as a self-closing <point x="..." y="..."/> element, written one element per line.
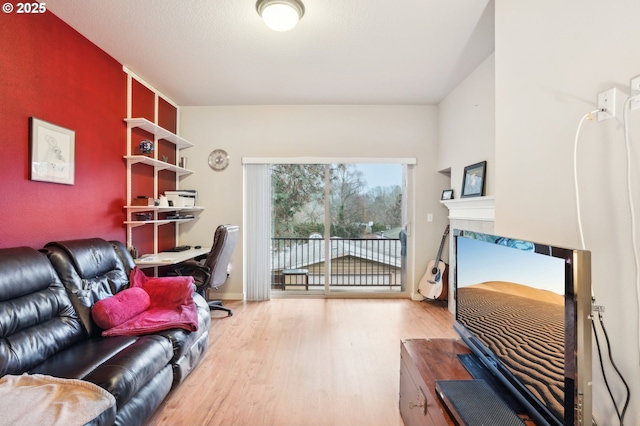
<point x="46" y="327"/>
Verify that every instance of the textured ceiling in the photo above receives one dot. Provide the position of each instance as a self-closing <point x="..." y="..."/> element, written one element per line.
<point x="219" y="52"/>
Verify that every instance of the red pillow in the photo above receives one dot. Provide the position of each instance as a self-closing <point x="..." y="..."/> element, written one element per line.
<point x="115" y="310"/>
<point x="164" y="292"/>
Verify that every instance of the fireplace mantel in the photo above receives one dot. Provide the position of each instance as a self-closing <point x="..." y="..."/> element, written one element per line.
<point x="471" y="214"/>
<point x="473" y="208"/>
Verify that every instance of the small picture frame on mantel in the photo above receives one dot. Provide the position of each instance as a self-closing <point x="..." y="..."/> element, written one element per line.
<point x="473" y="180"/>
<point x="447" y="194"/>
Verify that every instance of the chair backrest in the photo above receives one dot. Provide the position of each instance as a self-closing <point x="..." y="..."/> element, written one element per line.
<point x="224" y="242"/>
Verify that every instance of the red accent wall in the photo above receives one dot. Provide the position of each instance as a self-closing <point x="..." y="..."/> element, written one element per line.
<point x="142" y="102"/>
<point x="167" y="116"/>
<point x="50" y="71"/>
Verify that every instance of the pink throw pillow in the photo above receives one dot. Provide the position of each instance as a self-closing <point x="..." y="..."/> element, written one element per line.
<point x="115" y="310"/>
<point x="164" y="292"/>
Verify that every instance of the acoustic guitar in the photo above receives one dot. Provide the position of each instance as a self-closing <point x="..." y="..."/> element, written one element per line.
<point x="431" y="285"/>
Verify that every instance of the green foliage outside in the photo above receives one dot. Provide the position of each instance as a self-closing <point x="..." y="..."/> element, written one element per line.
<point x="378" y="227"/>
<point x="293" y="186"/>
<point x="298" y="202"/>
<point x="303" y="230"/>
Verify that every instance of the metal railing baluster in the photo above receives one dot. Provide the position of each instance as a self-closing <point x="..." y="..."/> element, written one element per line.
<point x="357" y="262"/>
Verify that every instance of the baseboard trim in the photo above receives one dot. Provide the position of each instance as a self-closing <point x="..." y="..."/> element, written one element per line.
<point x="225" y="296"/>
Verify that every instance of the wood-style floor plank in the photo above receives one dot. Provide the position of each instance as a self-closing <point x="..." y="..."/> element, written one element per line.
<point x="303" y="362"/>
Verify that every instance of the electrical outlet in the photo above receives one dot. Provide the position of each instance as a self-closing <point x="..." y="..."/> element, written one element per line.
<point x="635" y="93"/>
<point x="607" y="104"/>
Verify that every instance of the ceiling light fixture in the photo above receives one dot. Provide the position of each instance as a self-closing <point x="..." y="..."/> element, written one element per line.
<point x="280" y="15"/>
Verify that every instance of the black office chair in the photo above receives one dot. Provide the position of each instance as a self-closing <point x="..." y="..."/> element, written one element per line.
<point x="212" y="269"/>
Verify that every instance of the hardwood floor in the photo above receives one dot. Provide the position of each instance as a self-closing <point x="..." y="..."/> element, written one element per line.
<point x="303" y="362"/>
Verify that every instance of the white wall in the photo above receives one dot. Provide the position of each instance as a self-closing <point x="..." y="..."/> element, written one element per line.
<point x="467" y="126"/>
<point x="308" y="131"/>
<point x="552" y="59"/>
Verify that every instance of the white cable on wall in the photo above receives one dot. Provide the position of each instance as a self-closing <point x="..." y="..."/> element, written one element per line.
<point x="578" y="211"/>
<point x="588" y="115"/>
<point x="629" y="196"/>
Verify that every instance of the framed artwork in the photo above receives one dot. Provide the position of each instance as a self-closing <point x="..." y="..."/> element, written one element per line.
<point x="52" y="152"/>
<point x="473" y="180"/>
<point x="447" y="194"/>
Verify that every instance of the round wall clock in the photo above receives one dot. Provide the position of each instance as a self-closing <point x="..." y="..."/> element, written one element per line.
<point x="218" y="160"/>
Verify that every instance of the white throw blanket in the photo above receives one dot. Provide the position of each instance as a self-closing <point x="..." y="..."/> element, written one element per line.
<point x="44" y="400"/>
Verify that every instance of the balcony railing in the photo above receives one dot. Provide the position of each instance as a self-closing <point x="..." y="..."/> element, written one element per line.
<point x="299" y="263"/>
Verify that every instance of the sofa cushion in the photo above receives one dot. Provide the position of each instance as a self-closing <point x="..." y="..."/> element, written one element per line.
<point x="23" y="271"/>
<point x="82" y="358"/>
<point x="124" y="374"/>
<point x="91" y="257"/>
<point x="36" y="317"/>
<point x="115" y="310"/>
<point x="122" y="365"/>
<point x="91" y="270"/>
<point x="124" y="255"/>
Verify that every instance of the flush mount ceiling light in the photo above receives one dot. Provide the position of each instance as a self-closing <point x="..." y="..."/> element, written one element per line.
<point x="280" y="15"/>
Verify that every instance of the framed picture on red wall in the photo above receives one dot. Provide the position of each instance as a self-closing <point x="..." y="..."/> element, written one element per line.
<point x="52" y="150"/>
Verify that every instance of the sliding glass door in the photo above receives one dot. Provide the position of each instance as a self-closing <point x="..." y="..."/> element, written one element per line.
<point x="337" y="228"/>
<point x="366" y="204"/>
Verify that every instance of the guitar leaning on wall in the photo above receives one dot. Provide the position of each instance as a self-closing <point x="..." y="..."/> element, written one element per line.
<point x="431" y="285"/>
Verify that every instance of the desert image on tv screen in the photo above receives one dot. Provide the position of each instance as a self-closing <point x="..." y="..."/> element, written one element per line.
<point x="512" y="299"/>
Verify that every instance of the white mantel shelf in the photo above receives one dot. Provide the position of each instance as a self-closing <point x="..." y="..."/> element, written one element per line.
<point x="472" y="208"/>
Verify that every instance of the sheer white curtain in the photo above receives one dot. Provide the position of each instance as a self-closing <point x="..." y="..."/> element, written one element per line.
<point x="257" y="231"/>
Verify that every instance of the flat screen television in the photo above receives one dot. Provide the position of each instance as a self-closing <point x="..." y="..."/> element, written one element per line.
<point x="523" y="309"/>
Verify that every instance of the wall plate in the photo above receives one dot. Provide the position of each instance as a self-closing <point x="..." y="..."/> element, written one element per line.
<point x="607" y="104"/>
<point x="635" y="93"/>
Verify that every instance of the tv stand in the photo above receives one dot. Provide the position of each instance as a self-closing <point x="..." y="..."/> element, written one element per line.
<point x="422" y="363"/>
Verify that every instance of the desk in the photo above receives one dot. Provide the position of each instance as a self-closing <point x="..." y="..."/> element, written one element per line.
<point x="166" y="258"/>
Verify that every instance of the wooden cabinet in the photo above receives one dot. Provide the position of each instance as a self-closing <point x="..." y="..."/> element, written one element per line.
<point x="422" y="362"/>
